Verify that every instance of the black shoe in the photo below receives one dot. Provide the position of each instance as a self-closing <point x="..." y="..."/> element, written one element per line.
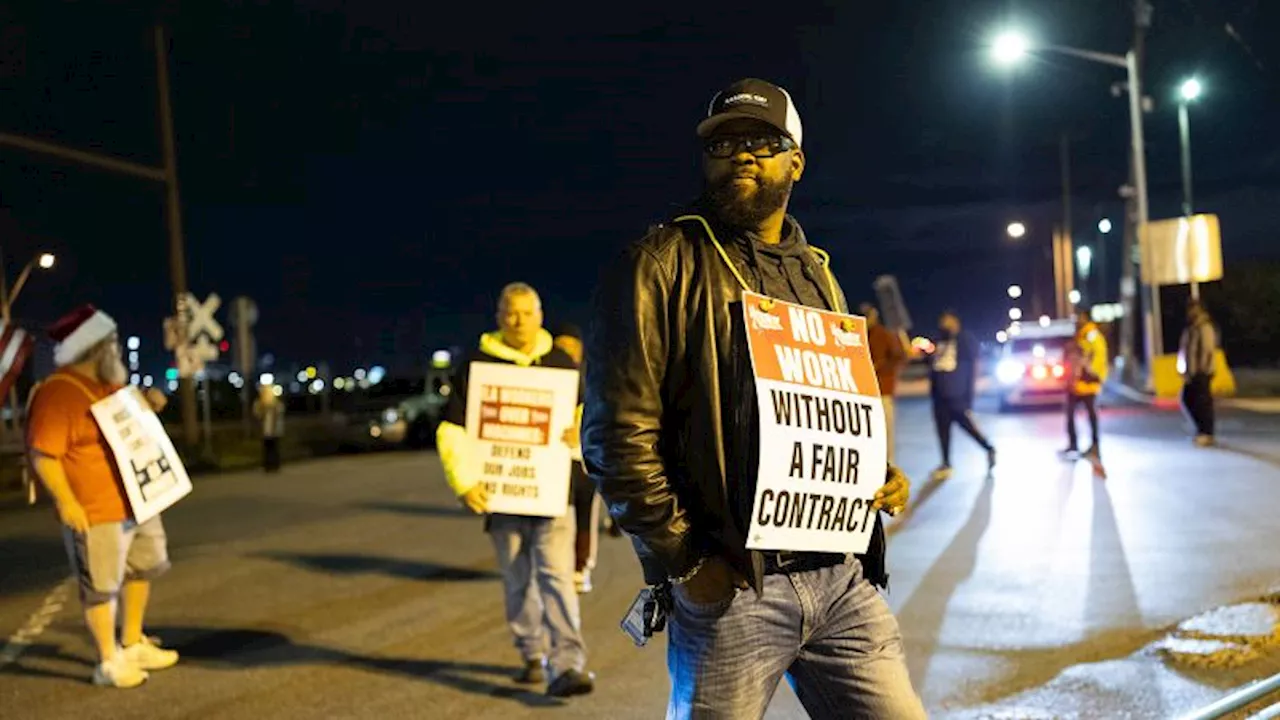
<point x="572" y="682"/>
<point x="532" y="673"/>
<point x="991" y="459"/>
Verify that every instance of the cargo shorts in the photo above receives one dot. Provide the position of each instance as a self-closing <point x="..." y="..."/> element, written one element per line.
<point x="111" y="554"/>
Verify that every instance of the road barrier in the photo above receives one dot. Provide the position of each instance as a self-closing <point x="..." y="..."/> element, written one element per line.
<point x="1240" y="698"/>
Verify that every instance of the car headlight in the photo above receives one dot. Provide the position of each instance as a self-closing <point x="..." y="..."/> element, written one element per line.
<point x="390" y="417"/>
<point x="1009" y="371"/>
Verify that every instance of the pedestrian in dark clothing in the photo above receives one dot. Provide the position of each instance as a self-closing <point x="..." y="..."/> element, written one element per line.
<point x="1196" y="357"/>
<point x="953" y="376"/>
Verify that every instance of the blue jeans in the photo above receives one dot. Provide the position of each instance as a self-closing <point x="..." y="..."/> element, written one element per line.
<point x="535" y="556"/>
<point x="828" y="630"/>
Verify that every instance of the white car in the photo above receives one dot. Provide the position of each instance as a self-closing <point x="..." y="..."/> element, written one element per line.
<point x="1032" y="370"/>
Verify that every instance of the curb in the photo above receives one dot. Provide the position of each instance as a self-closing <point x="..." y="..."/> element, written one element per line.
<point x="1191" y="646"/>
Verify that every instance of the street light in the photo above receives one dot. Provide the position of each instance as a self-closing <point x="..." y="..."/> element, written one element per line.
<point x="1190" y="89"/>
<point x="1015" y="291"/>
<point x="1015" y="314"/>
<point x="1008" y="48"/>
<point x="47" y="260"/>
<point x="1016" y="230"/>
<point x="1074" y="297"/>
<point x="44" y="260"/>
<point x="1104" y="226"/>
<point x="1187" y="93"/>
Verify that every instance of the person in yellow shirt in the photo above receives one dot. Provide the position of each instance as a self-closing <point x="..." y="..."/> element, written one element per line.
<point x="1087" y="364"/>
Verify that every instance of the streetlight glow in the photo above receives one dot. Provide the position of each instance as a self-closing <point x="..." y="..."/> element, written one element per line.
<point x="47" y="260"/>
<point x="1015" y="314"/>
<point x="1010" y="47"/>
<point x="1016" y="230"/>
<point x="1074" y="297"/>
<point x="1015" y="291"/>
<point x="1104" y="226"/>
<point x="1190" y="89"/>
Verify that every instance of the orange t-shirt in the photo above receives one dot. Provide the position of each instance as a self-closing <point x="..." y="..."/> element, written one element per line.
<point x="61" y="426"/>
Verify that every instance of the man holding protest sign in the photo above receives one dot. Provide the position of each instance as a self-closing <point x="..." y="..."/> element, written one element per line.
<point x="114" y="556"/>
<point x="736" y="432"/>
<point x="506" y="441"/>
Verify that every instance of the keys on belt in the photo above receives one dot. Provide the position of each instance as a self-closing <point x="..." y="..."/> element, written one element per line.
<point x="788" y="562"/>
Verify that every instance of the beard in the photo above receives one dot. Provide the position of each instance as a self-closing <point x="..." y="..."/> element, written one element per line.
<point x="739" y="209"/>
<point x="111" y="369"/>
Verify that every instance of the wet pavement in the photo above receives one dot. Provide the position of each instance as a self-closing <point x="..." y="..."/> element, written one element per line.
<point x="355" y="588"/>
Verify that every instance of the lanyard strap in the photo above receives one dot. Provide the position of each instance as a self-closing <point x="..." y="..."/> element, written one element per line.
<point x="823" y="258"/>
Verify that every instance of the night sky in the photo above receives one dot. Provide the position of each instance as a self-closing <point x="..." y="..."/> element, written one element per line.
<point x="371" y="173"/>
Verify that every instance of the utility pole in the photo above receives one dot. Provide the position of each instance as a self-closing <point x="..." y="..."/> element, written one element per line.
<point x="169" y="176"/>
<point x="173" y="216"/>
<point x="1141" y="21"/>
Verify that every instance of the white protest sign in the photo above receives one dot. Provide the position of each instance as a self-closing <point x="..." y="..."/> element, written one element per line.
<point x="153" y="474"/>
<point x="517" y="417"/>
<point x="823" y="452"/>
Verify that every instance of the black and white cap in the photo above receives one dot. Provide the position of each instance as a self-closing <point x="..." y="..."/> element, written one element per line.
<point x="757" y="100"/>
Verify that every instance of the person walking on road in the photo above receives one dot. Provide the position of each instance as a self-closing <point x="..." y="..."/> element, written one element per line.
<point x="952" y="381"/>
<point x="535" y="554"/>
<point x="669" y="430"/>
<point x="1196" y="356"/>
<point x="1087" y="363"/>
<point x="113" y="557"/>
<point x="586" y="501"/>
<point x="888" y="355"/>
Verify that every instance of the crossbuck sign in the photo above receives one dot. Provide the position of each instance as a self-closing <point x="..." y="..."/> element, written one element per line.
<point x="200" y="320"/>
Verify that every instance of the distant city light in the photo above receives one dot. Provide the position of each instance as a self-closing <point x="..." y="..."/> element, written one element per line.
<point x="1074" y="297"/>
<point x="1015" y="291"/>
<point x="441" y="358"/>
<point x="1044" y="321"/>
<point x="173" y="385"/>
<point x="376" y="373"/>
<point x="47" y="260"/>
<point x="339" y="383"/>
<point x="133" y="342"/>
<point x="148" y="381"/>
<point x="135" y="379"/>
<point x="1084" y="258"/>
<point x="1104" y="226"/>
<point x="277" y="390"/>
<point x="317" y="385"/>
<point x="310" y="373"/>
<point x="1016" y="230"/>
<point x="360" y="374"/>
<point x="1015" y="314"/>
<point x="266" y="379"/>
<point x="302" y="376"/>
<point x="1002" y="336"/>
<point x="1015" y="330"/>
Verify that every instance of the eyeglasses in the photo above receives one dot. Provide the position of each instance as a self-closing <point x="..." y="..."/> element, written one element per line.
<point x="761" y="146"/>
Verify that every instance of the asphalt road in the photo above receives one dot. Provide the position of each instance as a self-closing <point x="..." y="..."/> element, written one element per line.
<point x="354" y="587"/>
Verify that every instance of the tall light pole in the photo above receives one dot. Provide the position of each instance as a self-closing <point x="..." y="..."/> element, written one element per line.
<point x="44" y="261"/>
<point x="1011" y="47"/>
<point x="1187" y="93"/>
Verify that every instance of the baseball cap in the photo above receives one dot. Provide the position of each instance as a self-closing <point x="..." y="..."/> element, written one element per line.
<point x="753" y="99"/>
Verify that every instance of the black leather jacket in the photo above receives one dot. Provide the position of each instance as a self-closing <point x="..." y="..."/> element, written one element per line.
<point x="667" y="430"/>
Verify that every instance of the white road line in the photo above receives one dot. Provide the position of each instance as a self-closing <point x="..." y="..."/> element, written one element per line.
<point x="39" y="620"/>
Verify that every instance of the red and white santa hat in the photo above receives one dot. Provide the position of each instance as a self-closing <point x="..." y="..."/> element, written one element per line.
<point x="79" y="330"/>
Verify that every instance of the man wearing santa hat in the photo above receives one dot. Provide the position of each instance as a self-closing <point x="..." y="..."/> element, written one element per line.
<point x="113" y="557"/>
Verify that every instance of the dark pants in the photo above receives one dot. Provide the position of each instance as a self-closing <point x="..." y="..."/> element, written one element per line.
<point x="1090" y="403"/>
<point x="271" y="454"/>
<point x="955" y="410"/>
<point x="1197" y="400"/>
<point x="588" y="521"/>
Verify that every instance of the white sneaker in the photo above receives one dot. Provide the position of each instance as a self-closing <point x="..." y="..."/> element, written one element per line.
<point x="147" y="656"/>
<point x="582" y="581"/>
<point x="119" y="672"/>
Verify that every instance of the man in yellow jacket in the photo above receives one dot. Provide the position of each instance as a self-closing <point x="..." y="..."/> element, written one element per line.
<point x="1087" y="369"/>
